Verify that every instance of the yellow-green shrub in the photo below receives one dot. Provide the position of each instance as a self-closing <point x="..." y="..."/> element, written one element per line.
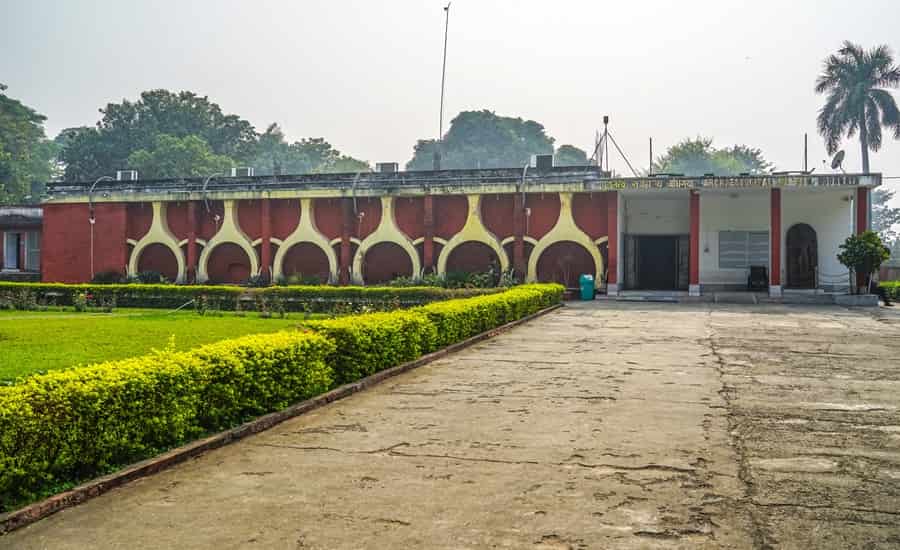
<point x="75" y="424"/>
<point x="71" y="425"/>
<point x="365" y="344"/>
<point x="457" y="320"/>
<point x="891" y="290"/>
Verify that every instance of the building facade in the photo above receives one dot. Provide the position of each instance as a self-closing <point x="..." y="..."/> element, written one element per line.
<point x="654" y="233"/>
<point x="20" y="243"/>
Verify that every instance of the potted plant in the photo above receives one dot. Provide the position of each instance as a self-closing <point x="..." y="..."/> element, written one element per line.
<point x="863" y="254"/>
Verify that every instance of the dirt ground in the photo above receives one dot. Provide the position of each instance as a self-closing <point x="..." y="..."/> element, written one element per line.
<point x="603" y="425"/>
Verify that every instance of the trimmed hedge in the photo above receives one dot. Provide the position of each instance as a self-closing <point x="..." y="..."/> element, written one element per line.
<point x="891" y="290"/>
<point x="75" y="424"/>
<point x="316" y="298"/>
<point x="457" y="320"/>
<point x="366" y="344"/>
<point x="66" y="426"/>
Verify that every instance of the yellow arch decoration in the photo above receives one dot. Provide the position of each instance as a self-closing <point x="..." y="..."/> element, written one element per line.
<point x="229" y="232"/>
<point x="473" y="230"/>
<point x="306" y="232"/>
<point x="387" y="231"/>
<point x="565" y="230"/>
<point x="158" y="233"/>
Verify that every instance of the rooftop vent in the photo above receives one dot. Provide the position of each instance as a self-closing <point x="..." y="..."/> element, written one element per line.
<point x="242" y="172"/>
<point x="542" y="162"/>
<point x="126" y="175"/>
<point x="387" y="167"/>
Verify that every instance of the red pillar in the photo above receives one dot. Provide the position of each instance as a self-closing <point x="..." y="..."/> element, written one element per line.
<point x="612" y="234"/>
<point x="862" y="209"/>
<point x="862" y="223"/>
<point x="265" y="247"/>
<point x="775" y="238"/>
<point x="519" y="234"/>
<point x="191" y="268"/>
<point x="346" y="234"/>
<point x="694" y="248"/>
<point x="428" y="235"/>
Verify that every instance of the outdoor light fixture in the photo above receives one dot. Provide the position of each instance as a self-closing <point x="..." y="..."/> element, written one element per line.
<point x="91" y="218"/>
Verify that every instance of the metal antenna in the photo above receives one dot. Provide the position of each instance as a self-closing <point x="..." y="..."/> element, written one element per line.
<point x="602" y="148"/>
<point x="605" y="141"/>
<point x="440" y="135"/>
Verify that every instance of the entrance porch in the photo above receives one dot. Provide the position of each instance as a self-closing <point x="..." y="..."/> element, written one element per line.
<point x="718" y="241"/>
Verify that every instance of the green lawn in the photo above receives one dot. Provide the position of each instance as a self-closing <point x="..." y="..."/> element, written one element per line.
<point x="36" y="341"/>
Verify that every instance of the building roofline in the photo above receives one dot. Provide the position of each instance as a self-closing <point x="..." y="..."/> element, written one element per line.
<point x="498" y="180"/>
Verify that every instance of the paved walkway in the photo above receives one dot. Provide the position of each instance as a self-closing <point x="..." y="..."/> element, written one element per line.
<point x="614" y="425"/>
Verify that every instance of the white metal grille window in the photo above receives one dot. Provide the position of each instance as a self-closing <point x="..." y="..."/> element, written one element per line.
<point x="741" y="249"/>
<point x="33" y="251"/>
<point x="10" y="251"/>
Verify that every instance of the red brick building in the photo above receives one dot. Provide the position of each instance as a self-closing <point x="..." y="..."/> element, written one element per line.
<point x="548" y="225"/>
<point x="20" y="243"/>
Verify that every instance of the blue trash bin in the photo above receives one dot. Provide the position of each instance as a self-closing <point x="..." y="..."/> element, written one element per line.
<point x="586" y="282"/>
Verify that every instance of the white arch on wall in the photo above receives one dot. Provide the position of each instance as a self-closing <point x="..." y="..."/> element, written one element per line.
<point x="306" y="232"/>
<point x="229" y="232"/>
<point x="525" y="238"/>
<point x="440" y="240"/>
<point x="386" y="232"/>
<point x="473" y="231"/>
<point x="158" y="233"/>
<point x="565" y="230"/>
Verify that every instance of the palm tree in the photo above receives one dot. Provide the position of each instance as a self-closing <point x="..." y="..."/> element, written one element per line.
<point x="854" y="80"/>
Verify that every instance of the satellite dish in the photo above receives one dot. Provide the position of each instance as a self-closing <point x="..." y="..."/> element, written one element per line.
<point x="837" y="161"/>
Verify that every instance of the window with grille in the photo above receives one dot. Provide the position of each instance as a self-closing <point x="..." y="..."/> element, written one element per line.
<point x="33" y="251"/>
<point x="741" y="249"/>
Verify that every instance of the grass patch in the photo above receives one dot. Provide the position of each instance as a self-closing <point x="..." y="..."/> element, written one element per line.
<point x="33" y="342"/>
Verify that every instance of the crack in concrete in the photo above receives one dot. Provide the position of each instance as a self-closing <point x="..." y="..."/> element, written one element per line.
<point x="824" y="507"/>
<point x="760" y="536"/>
<point x="392" y="451"/>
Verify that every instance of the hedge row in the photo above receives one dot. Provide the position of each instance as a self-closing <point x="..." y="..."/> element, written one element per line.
<point x="75" y="424"/>
<point x="369" y="343"/>
<point x="294" y="298"/>
<point x="66" y="426"/>
<point x="891" y="290"/>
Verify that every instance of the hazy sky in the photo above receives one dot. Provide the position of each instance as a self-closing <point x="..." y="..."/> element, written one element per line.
<point x="366" y="75"/>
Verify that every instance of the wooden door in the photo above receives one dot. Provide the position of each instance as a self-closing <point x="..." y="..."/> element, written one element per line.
<point x="802" y="256"/>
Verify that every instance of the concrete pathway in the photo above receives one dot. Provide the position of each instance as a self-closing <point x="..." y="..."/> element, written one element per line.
<point x="612" y="425"/>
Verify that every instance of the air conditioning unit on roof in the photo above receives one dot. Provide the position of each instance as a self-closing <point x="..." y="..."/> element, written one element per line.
<point x="387" y="167"/>
<point x="242" y="172"/>
<point x="126" y="175"/>
<point x="542" y="162"/>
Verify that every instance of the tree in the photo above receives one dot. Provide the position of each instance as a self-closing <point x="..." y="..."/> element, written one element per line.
<point x="483" y="139"/>
<point x="569" y="155"/>
<point x="175" y="157"/>
<point x="26" y="156"/>
<point x="885" y="219"/>
<point x="855" y="81"/>
<point x="309" y="155"/>
<point x="131" y="126"/>
<point x="696" y="157"/>
<point x="863" y="253"/>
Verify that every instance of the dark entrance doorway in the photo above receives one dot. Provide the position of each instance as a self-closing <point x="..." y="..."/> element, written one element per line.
<point x="802" y="251"/>
<point x="657" y="262"/>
